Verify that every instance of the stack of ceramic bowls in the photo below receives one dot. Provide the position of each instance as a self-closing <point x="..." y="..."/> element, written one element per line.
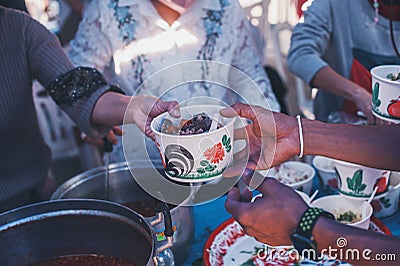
<point x="386" y="106"/>
<point x="359" y="182"/>
<point x="387" y="203"/>
<point x="328" y="179"/>
<point x="297" y="175"/>
<point x="386" y="93"/>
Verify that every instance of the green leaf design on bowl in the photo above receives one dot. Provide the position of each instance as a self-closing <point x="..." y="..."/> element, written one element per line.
<point x="200" y="170"/>
<point x="226" y="141"/>
<point x="355" y="183"/>
<point x="204" y="163"/>
<point x="375" y="95"/>
<point x="385" y="202"/>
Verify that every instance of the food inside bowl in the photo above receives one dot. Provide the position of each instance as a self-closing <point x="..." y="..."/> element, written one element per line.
<point x="200" y="123"/>
<point x="393" y="76"/>
<point x="83" y="260"/>
<point x="288" y="175"/>
<point x="348" y="217"/>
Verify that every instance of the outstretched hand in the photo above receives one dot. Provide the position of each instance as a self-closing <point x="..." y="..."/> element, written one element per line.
<point x="272" y="138"/>
<point x="271" y="218"/>
<point x="145" y="108"/>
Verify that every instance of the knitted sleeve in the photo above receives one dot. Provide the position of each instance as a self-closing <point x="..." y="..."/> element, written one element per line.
<point x="75" y="90"/>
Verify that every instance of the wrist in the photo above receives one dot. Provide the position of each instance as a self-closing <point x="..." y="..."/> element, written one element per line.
<point x="303" y="237"/>
<point x="132" y="109"/>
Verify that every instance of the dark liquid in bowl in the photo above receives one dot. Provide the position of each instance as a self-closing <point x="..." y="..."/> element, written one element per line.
<point x="84" y="260"/>
<point x="145" y="208"/>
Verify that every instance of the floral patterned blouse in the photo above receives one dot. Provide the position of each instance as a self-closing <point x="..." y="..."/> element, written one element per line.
<point x="128" y="41"/>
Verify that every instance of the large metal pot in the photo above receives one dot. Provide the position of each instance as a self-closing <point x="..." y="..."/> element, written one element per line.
<point x="124" y="189"/>
<point x="46" y="230"/>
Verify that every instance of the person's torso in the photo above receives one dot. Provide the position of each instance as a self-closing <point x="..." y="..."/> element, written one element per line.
<point x="144" y="44"/>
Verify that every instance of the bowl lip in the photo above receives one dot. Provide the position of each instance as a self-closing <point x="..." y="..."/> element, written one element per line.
<point x="374" y="69"/>
<point x="159" y="133"/>
<point x="389" y="191"/>
<point x="310" y="178"/>
<point x="350" y="164"/>
<point x="340" y="196"/>
<point x="319" y="157"/>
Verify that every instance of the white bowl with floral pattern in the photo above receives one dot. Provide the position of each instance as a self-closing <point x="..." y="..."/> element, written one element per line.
<point x="341" y="206"/>
<point x="360" y="181"/>
<point x="386" y="92"/>
<point x="387" y="204"/>
<point x="198" y="157"/>
<point x="328" y="179"/>
<point x="297" y="175"/>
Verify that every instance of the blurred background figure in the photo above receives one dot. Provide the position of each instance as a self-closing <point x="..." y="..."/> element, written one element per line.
<point x="336" y="46"/>
<point x="131" y="40"/>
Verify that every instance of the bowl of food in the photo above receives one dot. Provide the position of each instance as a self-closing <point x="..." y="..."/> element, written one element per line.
<point x="297" y="175"/>
<point x="387" y="204"/>
<point x="327" y="176"/>
<point x="360" y="181"/>
<point x="196" y="147"/>
<point x="349" y="211"/>
<point x="386" y="92"/>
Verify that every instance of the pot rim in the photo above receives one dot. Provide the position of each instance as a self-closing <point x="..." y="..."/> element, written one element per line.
<point x="60" y="207"/>
<point x="85" y="176"/>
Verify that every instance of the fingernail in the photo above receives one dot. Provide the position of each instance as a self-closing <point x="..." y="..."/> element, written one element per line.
<point x="175" y="112"/>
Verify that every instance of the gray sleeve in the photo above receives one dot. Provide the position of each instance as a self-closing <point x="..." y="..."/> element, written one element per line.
<point x="310" y="40"/>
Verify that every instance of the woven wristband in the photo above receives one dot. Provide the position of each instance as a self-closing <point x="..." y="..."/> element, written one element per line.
<point x="309" y="219"/>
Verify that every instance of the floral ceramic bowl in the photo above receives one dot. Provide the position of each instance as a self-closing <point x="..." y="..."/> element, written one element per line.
<point x="297" y="175"/>
<point x="328" y="178"/>
<point x="346" y="210"/>
<point x="360" y="181"/>
<point x="195" y="157"/>
<point x="387" y="204"/>
<point x="386" y="92"/>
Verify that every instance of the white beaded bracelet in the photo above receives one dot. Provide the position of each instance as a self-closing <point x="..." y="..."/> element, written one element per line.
<point x="300" y="136"/>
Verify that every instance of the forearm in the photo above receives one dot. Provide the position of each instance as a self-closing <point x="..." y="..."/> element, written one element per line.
<point x="374" y="146"/>
<point x="360" y="247"/>
<point x="110" y="109"/>
<point x="329" y="80"/>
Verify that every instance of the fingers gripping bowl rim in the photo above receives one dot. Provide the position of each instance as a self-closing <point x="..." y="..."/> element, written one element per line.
<point x="199" y="157"/>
